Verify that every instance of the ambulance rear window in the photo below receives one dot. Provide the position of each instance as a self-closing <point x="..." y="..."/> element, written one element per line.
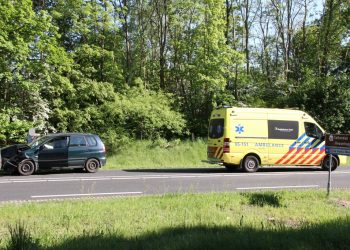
<point x="216" y="128"/>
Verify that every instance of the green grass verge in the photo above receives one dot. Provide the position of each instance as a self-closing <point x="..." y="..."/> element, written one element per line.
<point x="347" y="161"/>
<point x="260" y="220"/>
<point x="160" y="154"/>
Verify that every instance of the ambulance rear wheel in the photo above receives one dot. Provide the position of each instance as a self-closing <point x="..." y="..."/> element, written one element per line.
<point x="250" y="164"/>
<point x="326" y="163"/>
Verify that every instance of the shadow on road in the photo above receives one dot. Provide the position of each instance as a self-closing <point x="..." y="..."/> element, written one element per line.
<point x="46" y="172"/>
<point x="222" y="170"/>
<point x="179" y="170"/>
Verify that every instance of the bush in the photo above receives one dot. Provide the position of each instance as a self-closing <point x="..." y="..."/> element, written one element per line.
<point x="138" y="114"/>
<point x="12" y="129"/>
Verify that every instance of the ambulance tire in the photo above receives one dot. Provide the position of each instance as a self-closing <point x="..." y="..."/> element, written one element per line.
<point x="326" y="162"/>
<point x="231" y="167"/>
<point x="250" y="164"/>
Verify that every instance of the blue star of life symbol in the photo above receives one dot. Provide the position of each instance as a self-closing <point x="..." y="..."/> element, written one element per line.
<point x="239" y="129"/>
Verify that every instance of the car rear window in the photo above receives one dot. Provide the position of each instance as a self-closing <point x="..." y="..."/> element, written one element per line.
<point x="216" y="128"/>
<point x="91" y="141"/>
<point x="77" y="141"/>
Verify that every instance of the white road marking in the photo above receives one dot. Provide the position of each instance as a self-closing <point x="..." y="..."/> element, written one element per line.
<point x="75" y="195"/>
<point x="278" y="187"/>
<point x="174" y="176"/>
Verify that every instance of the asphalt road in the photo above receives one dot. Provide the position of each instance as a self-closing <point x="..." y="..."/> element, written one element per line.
<point x="70" y="185"/>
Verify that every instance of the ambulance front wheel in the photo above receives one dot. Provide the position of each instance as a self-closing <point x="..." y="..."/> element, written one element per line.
<point x="250" y="164"/>
<point x="326" y="163"/>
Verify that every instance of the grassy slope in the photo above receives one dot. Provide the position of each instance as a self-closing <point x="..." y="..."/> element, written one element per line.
<point x="144" y="154"/>
<point x="274" y="220"/>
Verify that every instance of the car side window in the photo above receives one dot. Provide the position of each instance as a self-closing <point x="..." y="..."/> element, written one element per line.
<point x="91" y="141"/>
<point x="77" y="141"/>
<point x="58" y="142"/>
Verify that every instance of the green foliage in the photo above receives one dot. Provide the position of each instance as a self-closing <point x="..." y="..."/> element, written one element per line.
<point x="150" y="69"/>
<point x="13" y="129"/>
<point x="327" y="99"/>
<point x="141" y="113"/>
<point x="200" y="70"/>
<point x="30" y="61"/>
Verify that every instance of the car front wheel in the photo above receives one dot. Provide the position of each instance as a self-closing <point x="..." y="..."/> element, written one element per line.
<point x="26" y="167"/>
<point x="92" y="165"/>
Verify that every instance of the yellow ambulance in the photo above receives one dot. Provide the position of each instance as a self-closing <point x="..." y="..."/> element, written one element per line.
<point x="251" y="137"/>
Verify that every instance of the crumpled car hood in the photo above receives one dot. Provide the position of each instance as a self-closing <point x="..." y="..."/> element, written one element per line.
<point x="11" y="152"/>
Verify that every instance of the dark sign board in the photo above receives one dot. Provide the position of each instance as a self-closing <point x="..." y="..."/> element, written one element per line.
<point x="283" y="129"/>
<point x="338" y="144"/>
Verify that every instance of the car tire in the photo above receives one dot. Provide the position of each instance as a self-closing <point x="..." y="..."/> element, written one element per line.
<point x="92" y="165"/>
<point x="26" y="167"/>
<point x="326" y="163"/>
<point x="250" y="164"/>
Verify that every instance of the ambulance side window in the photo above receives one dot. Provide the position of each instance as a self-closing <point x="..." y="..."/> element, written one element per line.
<point x="312" y="130"/>
<point x="216" y="128"/>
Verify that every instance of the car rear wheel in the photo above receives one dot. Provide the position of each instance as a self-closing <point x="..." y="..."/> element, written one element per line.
<point x="326" y="163"/>
<point x="250" y="164"/>
<point x="26" y="167"/>
<point x="92" y="165"/>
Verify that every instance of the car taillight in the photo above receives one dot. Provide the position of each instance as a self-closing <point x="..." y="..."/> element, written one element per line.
<point x="226" y="145"/>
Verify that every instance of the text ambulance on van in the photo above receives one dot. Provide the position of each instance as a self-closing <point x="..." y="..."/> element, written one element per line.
<point x="250" y="137"/>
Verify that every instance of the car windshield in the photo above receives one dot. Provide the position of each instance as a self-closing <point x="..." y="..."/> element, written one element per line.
<point x="38" y="141"/>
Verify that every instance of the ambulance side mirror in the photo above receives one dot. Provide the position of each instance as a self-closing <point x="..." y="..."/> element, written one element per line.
<point x="322" y="137"/>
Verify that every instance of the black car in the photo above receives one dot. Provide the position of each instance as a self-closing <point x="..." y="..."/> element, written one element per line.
<point x="55" y="151"/>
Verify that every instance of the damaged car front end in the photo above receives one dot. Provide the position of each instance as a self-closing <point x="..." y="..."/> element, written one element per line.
<point x="12" y="156"/>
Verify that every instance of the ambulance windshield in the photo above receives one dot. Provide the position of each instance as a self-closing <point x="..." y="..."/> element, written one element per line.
<point x="216" y="128"/>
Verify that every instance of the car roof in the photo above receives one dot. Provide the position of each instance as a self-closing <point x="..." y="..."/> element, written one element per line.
<point x="67" y="134"/>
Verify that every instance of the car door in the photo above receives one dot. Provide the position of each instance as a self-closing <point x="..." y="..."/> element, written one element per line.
<point x="54" y="153"/>
<point x="78" y="151"/>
